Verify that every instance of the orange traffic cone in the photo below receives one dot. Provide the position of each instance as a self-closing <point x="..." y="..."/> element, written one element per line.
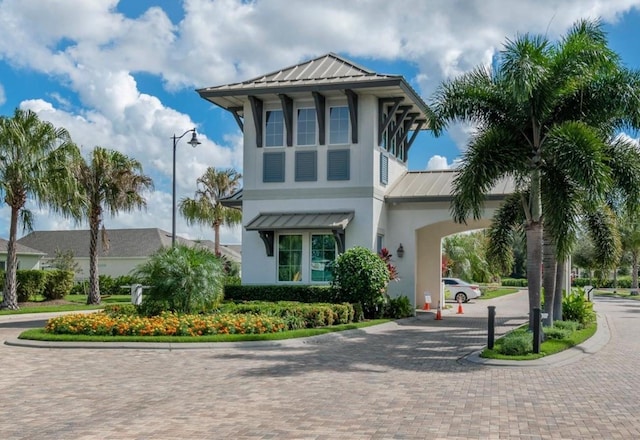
<point x="460" y="312"/>
<point x="427" y="306"/>
<point x="439" y="313"/>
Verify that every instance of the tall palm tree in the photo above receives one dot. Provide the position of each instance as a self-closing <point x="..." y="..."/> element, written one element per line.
<point x="35" y="160"/>
<point x="111" y="183"/>
<point x="543" y="115"/>
<point x="205" y="208"/>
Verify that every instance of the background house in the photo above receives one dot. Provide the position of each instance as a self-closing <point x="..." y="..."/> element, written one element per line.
<point x="28" y="258"/>
<point x="125" y="248"/>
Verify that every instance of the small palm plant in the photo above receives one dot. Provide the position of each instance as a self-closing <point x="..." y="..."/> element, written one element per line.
<point x="182" y="279"/>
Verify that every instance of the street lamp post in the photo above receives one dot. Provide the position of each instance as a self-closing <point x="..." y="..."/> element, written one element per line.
<point x="193" y="142"/>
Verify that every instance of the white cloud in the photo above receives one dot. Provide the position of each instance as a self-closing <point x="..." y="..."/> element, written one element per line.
<point x="3" y="97"/>
<point x="437" y="163"/>
<point x="96" y="52"/>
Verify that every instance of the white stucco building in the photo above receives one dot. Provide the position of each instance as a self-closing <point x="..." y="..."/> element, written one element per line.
<point x="326" y="144"/>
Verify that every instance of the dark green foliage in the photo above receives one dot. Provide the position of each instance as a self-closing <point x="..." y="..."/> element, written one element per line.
<point x="31" y="283"/>
<point x="231" y="280"/>
<point x="399" y="307"/>
<point x="117" y="310"/>
<point x="622" y="283"/>
<point x="296" y="314"/>
<point x="58" y="283"/>
<point x="516" y="343"/>
<point x="514" y="282"/>
<point x="80" y="288"/>
<point x="571" y="326"/>
<point x="556" y="332"/>
<point x="182" y="279"/>
<point x="575" y="307"/>
<point x="301" y="293"/>
<point x="361" y="276"/>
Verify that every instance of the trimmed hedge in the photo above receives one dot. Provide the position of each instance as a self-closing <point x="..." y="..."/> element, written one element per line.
<point x="514" y="282"/>
<point x="275" y="293"/>
<point x="622" y="283"/>
<point x="296" y="315"/>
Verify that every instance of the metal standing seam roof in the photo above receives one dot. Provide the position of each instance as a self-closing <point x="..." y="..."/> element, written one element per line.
<point x="419" y="186"/>
<point x="327" y="72"/>
<point x="300" y="220"/>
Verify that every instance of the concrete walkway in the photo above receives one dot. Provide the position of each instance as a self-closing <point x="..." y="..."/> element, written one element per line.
<point x="411" y="379"/>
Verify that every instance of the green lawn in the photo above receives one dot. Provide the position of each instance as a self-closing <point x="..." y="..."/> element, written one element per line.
<point x="74" y="302"/>
<point x="492" y="292"/>
<point x="618" y="293"/>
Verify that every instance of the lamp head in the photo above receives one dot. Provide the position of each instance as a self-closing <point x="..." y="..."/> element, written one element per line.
<point x="194" y="142"/>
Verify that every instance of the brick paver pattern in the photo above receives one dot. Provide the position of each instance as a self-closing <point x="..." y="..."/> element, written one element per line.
<point x="402" y="380"/>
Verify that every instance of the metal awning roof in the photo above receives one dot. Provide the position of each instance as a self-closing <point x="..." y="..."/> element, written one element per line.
<point x="434" y="186"/>
<point x="300" y="220"/>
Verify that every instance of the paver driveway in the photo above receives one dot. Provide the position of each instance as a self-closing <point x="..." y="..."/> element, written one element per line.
<point x="399" y="380"/>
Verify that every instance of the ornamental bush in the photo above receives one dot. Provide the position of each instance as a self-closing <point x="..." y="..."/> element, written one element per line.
<point x="575" y="307"/>
<point x="31" y="283"/>
<point x="182" y="279"/>
<point x="58" y="283"/>
<point x="516" y="343"/>
<point x="361" y="276"/>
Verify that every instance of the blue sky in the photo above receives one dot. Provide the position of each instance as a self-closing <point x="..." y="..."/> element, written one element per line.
<point x="123" y="74"/>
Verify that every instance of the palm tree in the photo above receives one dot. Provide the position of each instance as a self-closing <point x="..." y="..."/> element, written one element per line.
<point x="544" y="117"/>
<point x="111" y="182"/>
<point x="35" y="160"/>
<point x="205" y="208"/>
<point x="630" y="236"/>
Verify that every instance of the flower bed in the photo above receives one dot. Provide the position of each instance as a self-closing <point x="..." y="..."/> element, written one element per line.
<point x="167" y="324"/>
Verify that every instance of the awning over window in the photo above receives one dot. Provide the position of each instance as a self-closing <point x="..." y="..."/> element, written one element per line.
<point x="267" y="224"/>
<point x="300" y="220"/>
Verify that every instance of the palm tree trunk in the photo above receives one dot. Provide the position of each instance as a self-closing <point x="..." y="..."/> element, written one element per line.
<point x="548" y="274"/>
<point x="94" y="284"/>
<point x="10" y="291"/>
<point x="216" y="238"/>
<point x="634" y="273"/>
<point x="534" y="263"/>
<point x="558" y="294"/>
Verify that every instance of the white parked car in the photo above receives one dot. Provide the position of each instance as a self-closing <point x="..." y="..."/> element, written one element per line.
<point x="461" y="290"/>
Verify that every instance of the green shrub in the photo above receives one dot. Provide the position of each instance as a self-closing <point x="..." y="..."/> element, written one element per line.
<point x="80" y="288"/>
<point x="58" y="283"/>
<point x="31" y="283"/>
<point x="231" y="280"/>
<point x="399" y="307"/>
<point x="300" y="293"/>
<point x="116" y="310"/>
<point x="572" y="326"/>
<point x="514" y="282"/>
<point x="361" y="276"/>
<point x="296" y="315"/>
<point x="516" y="344"/>
<point x="575" y="307"/>
<point x="623" y="282"/>
<point x="556" y="332"/>
<point x="182" y="279"/>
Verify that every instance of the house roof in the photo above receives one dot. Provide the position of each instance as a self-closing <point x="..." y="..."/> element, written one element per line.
<point x="300" y="220"/>
<point x="20" y="248"/>
<point x="329" y="74"/>
<point x="123" y="243"/>
<point x="433" y="186"/>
